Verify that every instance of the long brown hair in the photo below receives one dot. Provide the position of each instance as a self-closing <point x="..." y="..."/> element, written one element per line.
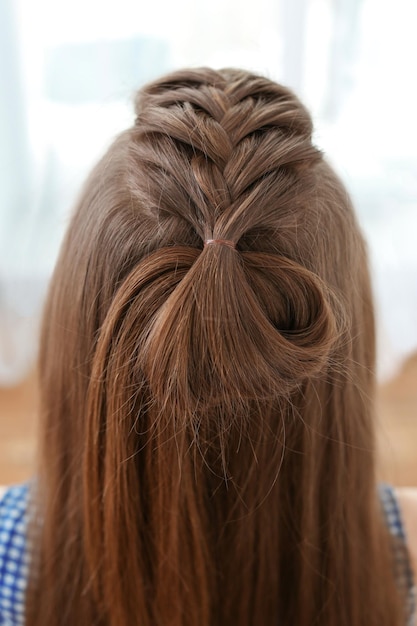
<point x="207" y="447"/>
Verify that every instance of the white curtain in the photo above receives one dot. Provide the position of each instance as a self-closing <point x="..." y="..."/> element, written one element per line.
<point x="67" y="75"/>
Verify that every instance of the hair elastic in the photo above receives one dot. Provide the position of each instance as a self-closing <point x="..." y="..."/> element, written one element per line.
<point x="220" y="242"/>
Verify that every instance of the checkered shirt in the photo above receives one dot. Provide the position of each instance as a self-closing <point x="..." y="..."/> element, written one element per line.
<point x="14" y="558"/>
<point x="403" y="571"/>
<point x="13" y="555"/>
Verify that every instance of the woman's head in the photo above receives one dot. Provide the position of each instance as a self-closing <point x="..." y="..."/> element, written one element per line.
<point x="221" y="155"/>
<point x="207" y="412"/>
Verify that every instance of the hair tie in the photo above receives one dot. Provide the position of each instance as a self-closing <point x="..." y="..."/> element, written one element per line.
<point x="220" y="242"/>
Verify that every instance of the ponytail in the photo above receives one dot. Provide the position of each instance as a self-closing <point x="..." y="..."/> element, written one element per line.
<point x="238" y="327"/>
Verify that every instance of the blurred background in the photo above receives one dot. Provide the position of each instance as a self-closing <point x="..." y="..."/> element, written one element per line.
<point x="68" y="71"/>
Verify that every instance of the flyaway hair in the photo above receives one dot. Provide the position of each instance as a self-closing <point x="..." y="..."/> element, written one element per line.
<point x="207" y="437"/>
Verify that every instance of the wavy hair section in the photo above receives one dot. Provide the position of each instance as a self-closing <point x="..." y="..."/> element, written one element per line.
<point x="207" y="444"/>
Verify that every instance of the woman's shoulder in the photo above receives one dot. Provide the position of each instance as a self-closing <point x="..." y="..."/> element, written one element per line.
<point x="14" y="558"/>
<point x="15" y="496"/>
<point x="13" y="510"/>
<point x="407" y="499"/>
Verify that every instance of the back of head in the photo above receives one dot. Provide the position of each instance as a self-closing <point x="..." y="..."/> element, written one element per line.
<point x="206" y="377"/>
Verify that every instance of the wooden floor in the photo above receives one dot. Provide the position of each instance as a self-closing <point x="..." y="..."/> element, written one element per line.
<point x="18" y="408"/>
<point x="397" y="429"/>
